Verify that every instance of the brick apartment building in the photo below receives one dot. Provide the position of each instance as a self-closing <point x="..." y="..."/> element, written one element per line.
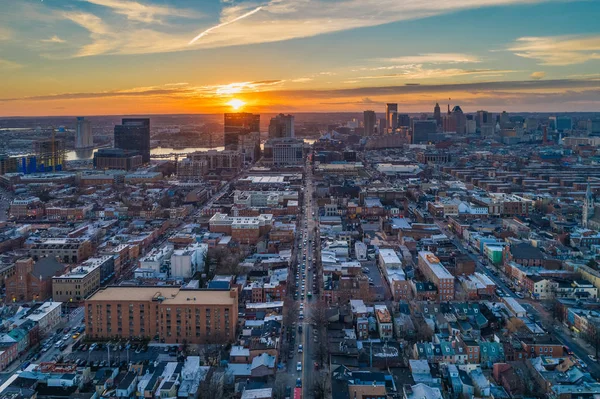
<point x="172" y="314"/>
<point x="245" y="230"/>
<point x="434" y="271"/>
<point x="27" y="208"/>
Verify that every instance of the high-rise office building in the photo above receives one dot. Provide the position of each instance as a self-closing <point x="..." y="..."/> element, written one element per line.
<point x="437" y="114"/>
<point x="484" y="118"/>
<point x="403" y="120"/>
<point x="134" y="134"/>
<point x="239" y="124"/>
<point x="561" y="123"/>
<point x="281" y="126"/>
<point x="369" y="121"/>
<point x="460" y="119"/>
<point x="505" y="122"/>
<point x="381" y="125"/>
<point x="391" y="120"/>
<point x="423" y="131"/>
<point x="83" y="134"/>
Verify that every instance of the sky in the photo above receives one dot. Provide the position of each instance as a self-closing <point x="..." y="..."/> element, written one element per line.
<point x="101" y="57"/>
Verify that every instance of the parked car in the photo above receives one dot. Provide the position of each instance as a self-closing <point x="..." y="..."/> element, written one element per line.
<point x="299" y="366"/>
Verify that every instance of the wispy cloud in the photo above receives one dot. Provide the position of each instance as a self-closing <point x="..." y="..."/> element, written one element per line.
<point x="538" y="75"/>
<point x="538" y="95"/>
<point x="53" y="39"/>
<point x="145" y="13"/>
<point x="558" y="50"/>
<point x="5" y="33"/>
<point x="179" y="89"/>
<point x="418" y="71"/>
<point x="433" y="58"/>
<point x="7" y="65"/>
<point x="252" y="22"/>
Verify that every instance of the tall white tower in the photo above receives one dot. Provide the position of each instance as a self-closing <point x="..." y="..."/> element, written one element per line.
<point x="588" y="206"/>
<point x="83" y="136"/>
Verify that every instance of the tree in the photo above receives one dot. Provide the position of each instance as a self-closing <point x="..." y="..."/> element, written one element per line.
<point x="321" y="388"/>
<point x="593" y="334"/>
<point x="290" y="311"/>
<point x="422" y="330"/>
<point x="514" y="324"/>
<point x="318" y="313"/>
<point x="321" y="348"/>
<point x="279" y="385"/>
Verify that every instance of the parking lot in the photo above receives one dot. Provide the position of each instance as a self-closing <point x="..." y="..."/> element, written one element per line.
<point x="150" y="354"/>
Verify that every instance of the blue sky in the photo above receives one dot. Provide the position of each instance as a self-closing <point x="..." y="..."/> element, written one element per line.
<point x="118" y="56"/>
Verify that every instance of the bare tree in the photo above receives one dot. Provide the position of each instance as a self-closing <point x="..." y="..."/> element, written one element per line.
<point x="318" y="313"/>
<point x="321" y="388"/>
<point x="279" y="386"/>
<point x="213" y="385"/>
<point x="291" y="311"/>
<point x="514" y="324"/>
<point x="321" y="348"/>
<point x="593" y="334"/>
<point x="422" y="330"/>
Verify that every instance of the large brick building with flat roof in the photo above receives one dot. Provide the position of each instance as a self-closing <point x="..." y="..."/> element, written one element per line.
<point x="171" y="314"/>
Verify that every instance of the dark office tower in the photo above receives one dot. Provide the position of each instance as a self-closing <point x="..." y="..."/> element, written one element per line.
<point x="239" y="124"/>
<point x="281" y="126"/>
<point x="390" y="110"/>
<point x="134" y="134"/>
<point x="460" y="119"/>
<point x="403" y="120"/>
<point x="423" y="131"/>
<point x="381" y="126"/>
<point x="437" y="114"/>
<point x="369" y="120"/>
<point x="483" y="118"/>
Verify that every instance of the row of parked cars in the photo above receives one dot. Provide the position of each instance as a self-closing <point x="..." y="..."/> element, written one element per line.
<point x="114" y="347"/>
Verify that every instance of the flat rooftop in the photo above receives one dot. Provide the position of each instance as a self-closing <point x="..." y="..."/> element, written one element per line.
<point x="171" y="295"/>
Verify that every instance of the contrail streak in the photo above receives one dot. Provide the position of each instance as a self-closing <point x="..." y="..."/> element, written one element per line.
<point x="206" y="32"/>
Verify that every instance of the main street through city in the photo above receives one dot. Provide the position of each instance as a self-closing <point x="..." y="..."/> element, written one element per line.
<point x="306" y="290"/>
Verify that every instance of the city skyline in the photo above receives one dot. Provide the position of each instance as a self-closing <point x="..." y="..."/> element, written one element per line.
<point x="102" y="57"/>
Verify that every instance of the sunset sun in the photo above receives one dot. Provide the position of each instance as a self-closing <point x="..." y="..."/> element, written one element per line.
<point x="236" y="104"/>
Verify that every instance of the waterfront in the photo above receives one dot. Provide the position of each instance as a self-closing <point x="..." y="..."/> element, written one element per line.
<point x="88" y="154"/>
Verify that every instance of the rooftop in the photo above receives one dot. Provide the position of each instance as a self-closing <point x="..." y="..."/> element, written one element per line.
<point x="168" y="295"/>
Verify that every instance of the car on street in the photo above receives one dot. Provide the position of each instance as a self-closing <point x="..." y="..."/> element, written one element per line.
<point x="593" y="358"/>
<point x="298" y="382"/>
<point x="582" y="365"/>
<point x="299" y="366"/>
<point x="300" y="348"/>
<point x="519" y="295"/>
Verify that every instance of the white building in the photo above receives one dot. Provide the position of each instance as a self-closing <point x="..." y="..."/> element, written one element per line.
<point x="186" y="262"/>
<point x="339" y="248"/>
<point x="47" y="316"/>
<point x="284" y="152"/>
<point x="360" y="250"/>
<point x="154" y="259"/>
<point x="83" y="135"/>
<point x="388" y="259"/>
